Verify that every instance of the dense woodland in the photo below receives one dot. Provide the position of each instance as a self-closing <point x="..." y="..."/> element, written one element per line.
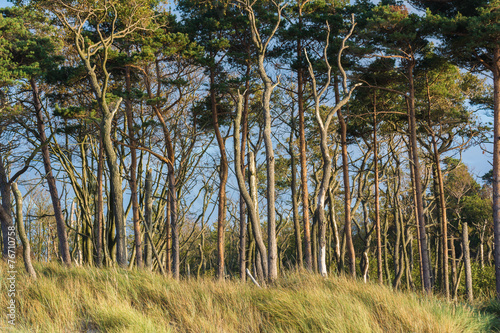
<point x="205" y="138"/>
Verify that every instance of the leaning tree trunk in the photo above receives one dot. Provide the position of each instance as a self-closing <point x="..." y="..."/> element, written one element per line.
<point x="347" y="188"/>
<point x="51" y="181"/>
<point x="223" y="176"/>
<point x="22" y="232"/>
<point x="261" y="46"/>
<point x="251" y="203"/>
<point x="106" y="125"/>
<point x="172" y="189"/>
<point x="324" y="124"/>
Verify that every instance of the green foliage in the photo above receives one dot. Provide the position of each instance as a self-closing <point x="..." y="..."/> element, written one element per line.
<point x="28" y="45"/>
<point x="476" y="209"/>
<point x="470" y="31"/>
<point x="483" y="281"/>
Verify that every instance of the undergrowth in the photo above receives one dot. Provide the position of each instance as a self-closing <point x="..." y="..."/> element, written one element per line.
<point x="114" y="300"/>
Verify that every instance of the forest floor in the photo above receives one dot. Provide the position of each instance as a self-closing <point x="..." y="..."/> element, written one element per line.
<point x="114" y="300"/>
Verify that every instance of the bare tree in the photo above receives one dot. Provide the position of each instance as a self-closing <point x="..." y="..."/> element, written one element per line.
<point x="324" y="124"/>
<point x="251" y="203"/>
<point x="262" y="46"/>
<point x="103" y="20"/>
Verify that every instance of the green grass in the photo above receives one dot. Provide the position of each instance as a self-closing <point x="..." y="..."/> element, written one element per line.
<point x="111" y="300"/>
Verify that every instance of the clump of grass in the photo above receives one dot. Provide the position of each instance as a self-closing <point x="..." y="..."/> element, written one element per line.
<point x="114" y="300"/>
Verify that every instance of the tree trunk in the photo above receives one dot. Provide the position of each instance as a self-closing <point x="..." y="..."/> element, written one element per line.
<point x="295" y="205"/>
<point x="442" y="200"/>
<point x="268" y="142"/>
<point x="468" y="271"/>
<point x="133" y="172"/>
<point x="6" y="210"/>
<point x="481" y="246"/>
<point x="347" y="188"/>
<point x="250" y="198"/>
<point x="302" y="152"/>
<point x="319" y="214"/>
<point x="496" y="163"/>
<point x="98" y="226"/>
<point x="398" y="269"/>
<point x="51" y="181"/>
<point x="270" y="162"/>
<point x="377" y="194"/>
<point x="454" y="277"/>
<point x="174" y="224"/>
<point x="417" y="183"/>
<point x="444" y="222"/>
<point x="334" y="227"/>
<point x="172" y="191"/>
<point x="223" y="175"/>
<point x="116" y="188"/>
<point x="22" y="232"/>
<point x="148" y="217"/>
<point x="168" y="240"/>
<point x="243" y="215"/>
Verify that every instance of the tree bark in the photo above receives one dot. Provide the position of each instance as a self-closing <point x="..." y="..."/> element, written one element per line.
<point x="99" y="208"/>
<point x="347" y="187"/>
<point x="174" y="224"/>
<point x="6" y="210"/>
<point x="302" y="152"/>
<point x="172" y="189"/>
<point x="22" y="233"/>
<point x="334" y="227"/>
<point x="269" y="86"/>
<point x="442" y="201"/>
<point x="223" y="176"/>
<point x="250" y="198"/>
<point x="347" y="195"/>
<point x="243" y="215"/>
<point x="324" y="125"/>
<point x="148" y="217"/>
<point x="468" y="271"/>
<point x="133" y="172"/>
<point x="168" y="240"/>
<point x="51" y="181"/>
<point x="295" y="205"/>
<point x="116" y="188"/>
<point x="417" y="182"/>
<point x="377" y="192"/>
<point x="496" y="164"/>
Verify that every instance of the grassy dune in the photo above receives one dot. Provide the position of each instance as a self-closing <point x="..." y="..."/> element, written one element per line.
<point x="111" y="300"/>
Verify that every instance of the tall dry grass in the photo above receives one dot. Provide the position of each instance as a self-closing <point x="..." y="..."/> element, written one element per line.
<point x="113" y="300"/>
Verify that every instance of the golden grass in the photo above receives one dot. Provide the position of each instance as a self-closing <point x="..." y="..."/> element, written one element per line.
<point x="113" y="300"/>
